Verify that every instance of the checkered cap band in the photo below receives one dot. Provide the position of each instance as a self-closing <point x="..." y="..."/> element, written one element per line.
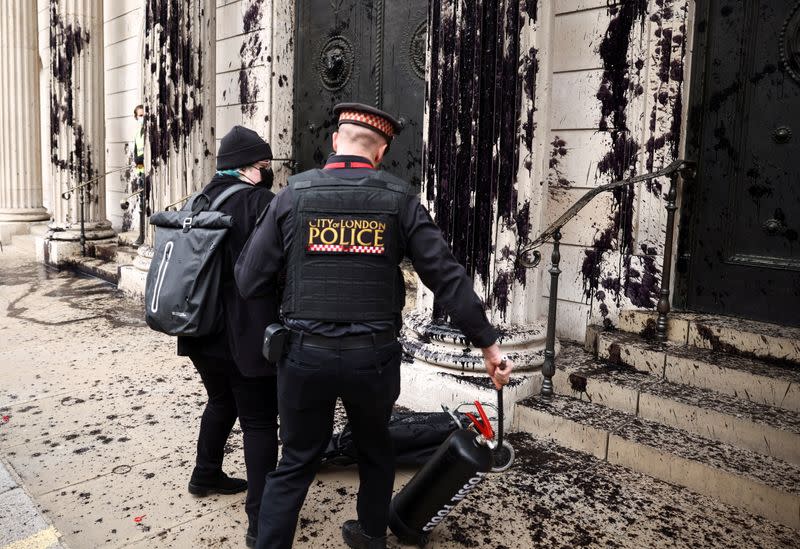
<point x="333" y="248"/>
<point x="377" y="122"/>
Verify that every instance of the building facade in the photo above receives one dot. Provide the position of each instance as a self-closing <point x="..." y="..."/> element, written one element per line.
<point x="513" y="111"/>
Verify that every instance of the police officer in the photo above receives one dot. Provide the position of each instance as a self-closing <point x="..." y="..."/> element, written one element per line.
<point x="340" y="233"/>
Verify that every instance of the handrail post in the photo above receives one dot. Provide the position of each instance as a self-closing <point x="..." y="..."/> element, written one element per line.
<point x="666" y="269"/>
<point x="549" y="366"/>
<point x="83" y="222"/>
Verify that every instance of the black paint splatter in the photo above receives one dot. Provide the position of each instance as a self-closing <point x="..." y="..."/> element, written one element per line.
<point x="471" y="154"/>
<point x="557" y="153"/>
<point x="640" y="286"/>
<point x="174" y="110"/>
<point x="69" y="151"/>
<point x="250" y="52"/>
<point x="530" y="70"/>
<point x="620" y="161"/>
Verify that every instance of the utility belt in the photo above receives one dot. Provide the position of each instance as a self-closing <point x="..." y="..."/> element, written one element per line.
<point x="364" y="341"/>
<point x="278" y="337"/>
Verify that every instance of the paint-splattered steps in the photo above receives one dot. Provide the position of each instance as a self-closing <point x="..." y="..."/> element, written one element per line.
<point x="765" y="429"/>
<point x="763" y="485"/>
<point x="737" y="336"/>
<point x="99" y="268"/>
<point x="749" y="379"/>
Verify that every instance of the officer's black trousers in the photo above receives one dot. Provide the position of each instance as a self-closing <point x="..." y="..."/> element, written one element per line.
<point x="253" y="400"/>
<point x="309" y="381"/>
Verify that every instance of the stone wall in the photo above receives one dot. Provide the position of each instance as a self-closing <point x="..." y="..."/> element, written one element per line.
<point x="255" y="71"/>
<point x="617" y="72"/>
<point x="123" y="22"/>
<point x="254" y="80"/>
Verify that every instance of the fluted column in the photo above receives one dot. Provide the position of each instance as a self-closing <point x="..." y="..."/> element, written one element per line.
<point x="20" y="156"/>
<point x="77" y="121"/>
<point x="482" y="174"/>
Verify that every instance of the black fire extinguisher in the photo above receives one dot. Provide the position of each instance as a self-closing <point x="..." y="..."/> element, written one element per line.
<point x="458" y="466"/>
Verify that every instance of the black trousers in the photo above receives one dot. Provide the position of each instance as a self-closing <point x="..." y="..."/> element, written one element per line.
<point x="309" y="381"/>
<point x="254" y="401"/>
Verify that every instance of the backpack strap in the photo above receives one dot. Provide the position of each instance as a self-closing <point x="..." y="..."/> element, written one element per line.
<point x="188" y="206"/>
<point x="227" y="193"/>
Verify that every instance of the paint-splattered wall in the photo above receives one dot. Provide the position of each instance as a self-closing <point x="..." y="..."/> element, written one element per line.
<point x="617" y="75"/>
<point x="255" y="60"/>
<point x="123" y="22"/>
<point x="480" y="152"/>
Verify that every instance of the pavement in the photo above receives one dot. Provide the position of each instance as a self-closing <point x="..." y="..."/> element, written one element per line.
<point x="98" y="424"/>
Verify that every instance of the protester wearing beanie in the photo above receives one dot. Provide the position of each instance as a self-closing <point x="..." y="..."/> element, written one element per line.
<point x="237" y="378"/>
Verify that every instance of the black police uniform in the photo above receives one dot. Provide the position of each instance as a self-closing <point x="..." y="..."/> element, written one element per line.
<point x="340" y="234"/>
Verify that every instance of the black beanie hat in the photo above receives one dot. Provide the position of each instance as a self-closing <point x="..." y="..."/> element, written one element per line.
<point x="241" y="147"/>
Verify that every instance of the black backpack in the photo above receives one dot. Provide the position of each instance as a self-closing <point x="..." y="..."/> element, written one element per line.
<point x="415" y="436"/>
<point x="182" y="288"/>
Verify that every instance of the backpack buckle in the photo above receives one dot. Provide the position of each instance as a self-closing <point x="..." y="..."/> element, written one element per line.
<point x="187" y="224"/>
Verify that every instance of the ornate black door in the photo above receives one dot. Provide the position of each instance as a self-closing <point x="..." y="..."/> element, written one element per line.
<point x="371" y="51"/>
<point x="744" y="128"/>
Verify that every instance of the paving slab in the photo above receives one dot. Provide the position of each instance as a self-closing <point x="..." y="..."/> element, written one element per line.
<point x="22" y="524"/>
<point x="119" y="508"/>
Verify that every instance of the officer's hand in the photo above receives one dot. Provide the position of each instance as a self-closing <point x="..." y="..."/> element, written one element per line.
<point x="497" y="368"/>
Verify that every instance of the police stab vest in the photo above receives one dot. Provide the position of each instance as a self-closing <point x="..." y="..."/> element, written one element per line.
<point x="343" y="265"/>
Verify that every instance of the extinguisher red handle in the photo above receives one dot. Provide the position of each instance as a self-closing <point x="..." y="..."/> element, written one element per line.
<point x="483" y="426"/>
<point x="477" y="423"/>
<point x="485" y="419"/>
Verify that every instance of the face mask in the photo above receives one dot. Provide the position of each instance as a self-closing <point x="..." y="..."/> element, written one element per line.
<point x="267" y="177"/>
<point x="140" y="120"/>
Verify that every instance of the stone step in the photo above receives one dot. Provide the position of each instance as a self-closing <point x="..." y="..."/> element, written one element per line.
<point x="104" y="270"/>
<point x="760" y="484"/>
<point x="104" y="252"/>
<point x="748" y="379"/>
<point x="128" y="239"/>
<point x="765" y="429"/>
<point x="738" y="336"/>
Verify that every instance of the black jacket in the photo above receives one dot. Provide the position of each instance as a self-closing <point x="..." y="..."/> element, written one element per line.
<point x="264" y="256"/>
<point x="244" y="319"/>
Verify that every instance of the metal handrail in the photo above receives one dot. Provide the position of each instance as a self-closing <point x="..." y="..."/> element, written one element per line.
<point x="579" y="204"/>
<point x="678" y="168"/>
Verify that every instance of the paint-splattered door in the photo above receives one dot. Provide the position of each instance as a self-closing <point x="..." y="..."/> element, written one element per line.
<point x="745" y="131"/>
<point x="370" y="51"/>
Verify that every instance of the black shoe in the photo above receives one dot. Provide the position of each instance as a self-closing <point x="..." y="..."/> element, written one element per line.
<point x="355" y="537"/>
<point x="222" y="484"/>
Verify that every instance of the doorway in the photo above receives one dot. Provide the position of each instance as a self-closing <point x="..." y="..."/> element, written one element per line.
<point x="370" y="52"/>
<point x="740" y="253"/>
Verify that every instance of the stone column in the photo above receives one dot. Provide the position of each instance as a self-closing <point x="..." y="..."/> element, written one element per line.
<point x="77" y="122"/>
<point x="180" y="109"/>
<point x="482" y="183"/>
<point x="20" y="168"/>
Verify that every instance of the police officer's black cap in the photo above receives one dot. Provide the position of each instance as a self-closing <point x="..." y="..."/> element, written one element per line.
<point x="242" y="147"/>
<point x="369" y="117"/>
